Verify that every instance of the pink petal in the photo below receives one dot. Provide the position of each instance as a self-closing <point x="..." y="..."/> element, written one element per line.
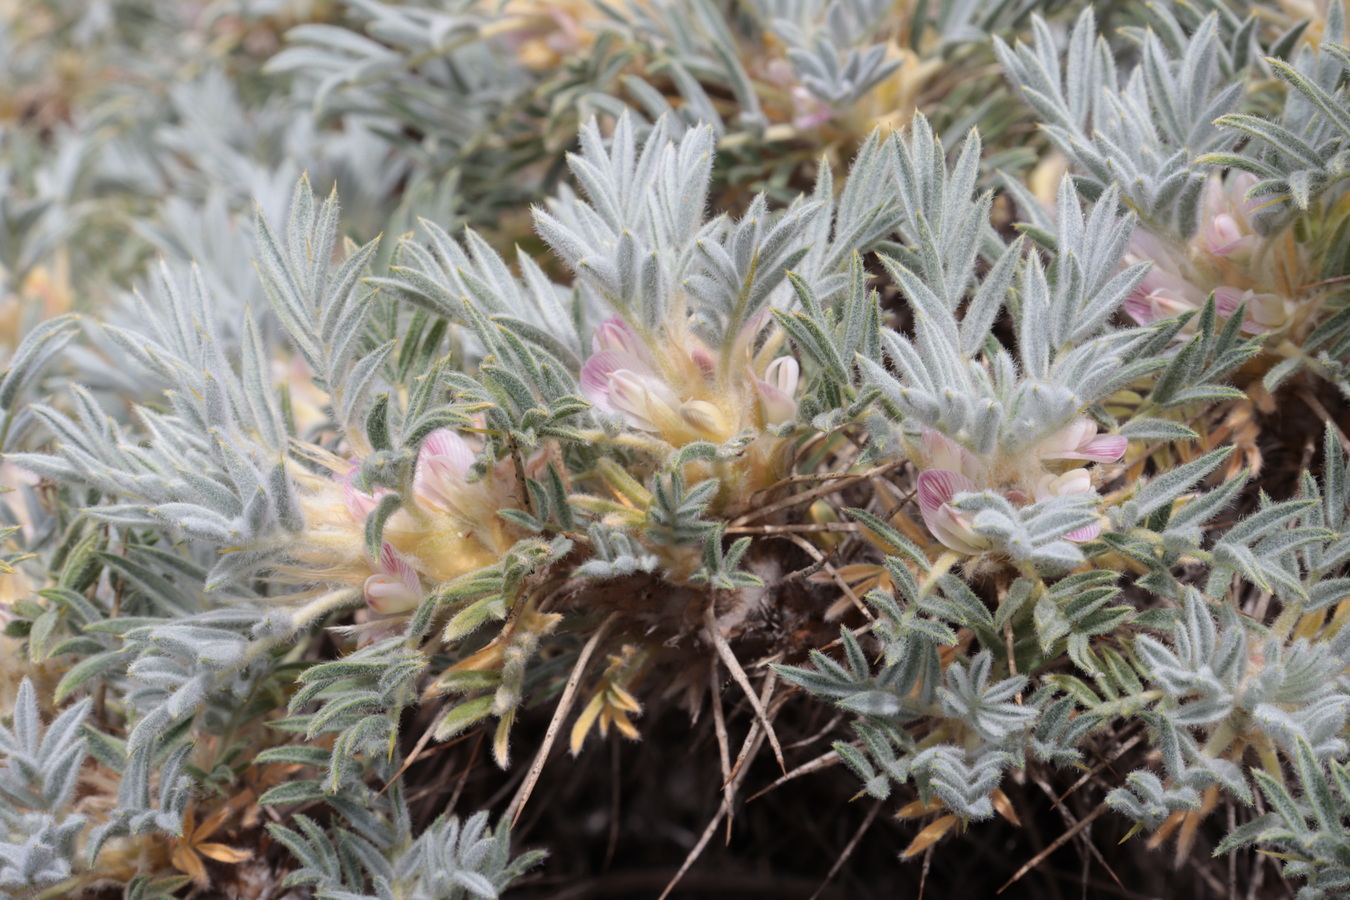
<point x="1264" y="312"/>
<point x="944" y="453"/>
<point x="1163" y="303"/>
<point x="778" y="406"/>
<point x="1238" y="186"/>
<point x="810" y="111"/>
<point x="595" y="375"/>
<point x="1138" y="307"/>
<point x="387" y="595"/>
<point x="953" y="530"/>
<point x="1144" y="245"/>
<point x="359" y="504"/>
<point x="939" y="486"/>
<point x="637" y="396"/>
<point x="1066" y="442"/>
<point x="449" y="449"/>
<point x="1213" y="199"/>
<point x="1223" y="235"/>
<point x="616" y="334"/>
<point x="1104" y="448"/>
<point x="755" y="324"/>
<point x="1086" y="533"/>
<point x="706" y="362"/>
<point x="1227" y="300"/>
<point x="443" y="465"/>
<point x="392" y="563"/>
<point x="936" y="489"/>
<point x="706" y="419"/>
<point x="396" y="587"/>
<point x="784" y="373"/>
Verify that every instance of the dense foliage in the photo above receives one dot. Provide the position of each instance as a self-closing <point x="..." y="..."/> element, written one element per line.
<point x="955" y="391"/>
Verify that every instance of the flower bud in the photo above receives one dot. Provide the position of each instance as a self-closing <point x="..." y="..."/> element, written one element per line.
<point x="777" y="390"/>
<point x="395" y="587"/>
<point x="643" y="399"/>
<point x="942" y="452"/>
<point x="706" y="419"/>
<point x="359" y="503"/>
<point x="1074" y="481"/>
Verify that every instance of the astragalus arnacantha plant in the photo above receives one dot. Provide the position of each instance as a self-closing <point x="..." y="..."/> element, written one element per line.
<point x="878" y="446"/>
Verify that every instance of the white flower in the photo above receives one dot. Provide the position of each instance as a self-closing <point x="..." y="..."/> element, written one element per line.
<point x="777" y="390"/>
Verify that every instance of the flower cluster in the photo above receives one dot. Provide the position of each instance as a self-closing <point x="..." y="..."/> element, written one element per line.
<point x="1051" y="469"/>
<point x="449" y="529"/>
<point x="779" y="402"/>
<point x="1227" y="258"/>
<point x="673" y="387"/>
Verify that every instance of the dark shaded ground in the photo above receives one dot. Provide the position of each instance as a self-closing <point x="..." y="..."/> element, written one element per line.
<point x="619" y="820"/>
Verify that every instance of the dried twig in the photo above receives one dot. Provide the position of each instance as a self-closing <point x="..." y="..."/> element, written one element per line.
<point x="464" y="776"/>
<point x="824" y="562"/>
<point x="1055" y="845"/>
<point x="753" y="739"/>
<point x="815" y="494"/>
<point x="1087" y="835"/>
<point x="1121" y="751"/>
<point x="720" y="728"/>
<point x="1316" y="406"/>
<point x="734" y="667"/>
<point x="848" y="849"/>
<point x="564" y="707"/>
<point x="811" y="739"/>
<point x="849" y="527"/>
<point x="820" y="762"/>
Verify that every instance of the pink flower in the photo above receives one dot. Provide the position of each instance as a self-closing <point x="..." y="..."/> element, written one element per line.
<point x="1079" y="440"/>
<point x="1264" y="311"/>
<point x="1225" y="214"/>
<point x="395" y="587"/>
<point x="619" y="377"/>
<point x="1084" y="534"/>
<point x="1182" y="277"/>
<point x="443" y="464"/>
<point x="944" y="453"/>
<point x="645" y="400"/>
<point x="1074" y="481"/>
<point x="937" y="488"/>
<point x="616" y="334"/>
<point x="679" y="392"/>
<point x="359" y="503"/>
<point x="809" y="111"/>
<point x="705" y="418"/>
<point x="1161" y="294"/>
<point x="1223" y="236"/>
<point x="706" y="362"/>
<point x="777" y="390"/>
